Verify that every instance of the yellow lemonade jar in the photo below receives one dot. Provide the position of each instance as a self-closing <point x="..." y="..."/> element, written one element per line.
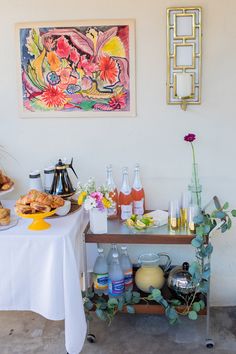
<point x="150" y="274"/>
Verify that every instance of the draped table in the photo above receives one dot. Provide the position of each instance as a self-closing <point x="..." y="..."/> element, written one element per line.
<point x="40" y="272"/>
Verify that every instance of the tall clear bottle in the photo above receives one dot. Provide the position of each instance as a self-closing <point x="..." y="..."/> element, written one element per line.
<point x="112" y="212"/>
<point x="116" y="283"/>
<point x="127" y="268"/>
<point x="125" y="197"/>
<point x="100" y="274"/>
<point x="138" y="193"/>
<point x="112" y="250"/>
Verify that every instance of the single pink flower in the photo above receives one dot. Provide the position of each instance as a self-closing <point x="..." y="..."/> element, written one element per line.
<point x="118" y="101"/>
<point x="74" y="55"/>
<point x="87" y="65"/>
<point x="190" y="137"/>
<point x="86" y="83"/>
<point x="97" y="196"/>
<point x="63" y="47"/>
<point x="66" y="78"/>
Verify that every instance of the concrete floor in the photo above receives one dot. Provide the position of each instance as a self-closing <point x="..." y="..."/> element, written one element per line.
<point x="29" y="333"/>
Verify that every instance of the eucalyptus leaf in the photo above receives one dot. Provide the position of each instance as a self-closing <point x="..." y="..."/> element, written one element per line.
<point x="229" y="224"/>
<point x="196" y="243"/>
<point x="207" y="229"/>
<point x="112" y="302"/>
<point x="203" y="287"/>
<point x="196" y="307"/>
<point x="198" y="219"/>
<point x="175" y="302"/>
<point x="101" y="314"/>
<point x="209" y="249"/>
<point x="171" y="313"/>
<point x="224" y="228"/>
<point x="220" y="214"/>
<point x="192" y="315"/>
<point x="121" y="302"/>
<point x="225" y="206"/>
<point x="128" y="296"/>
<point x="88" y="304"/>
<point x="233" y="212"/>
<point x="202" y="304"/>
<point x="130" y="309"/>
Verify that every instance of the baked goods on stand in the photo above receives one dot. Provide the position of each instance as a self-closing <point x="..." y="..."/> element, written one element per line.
<point x="4" y="216"/>
<point x="6" y="183"/>
<point x="38" y="205"/>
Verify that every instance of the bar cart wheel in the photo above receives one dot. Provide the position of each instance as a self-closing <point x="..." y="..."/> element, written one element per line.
<point x="91" y="338"/>
<point x="210" y="343"/>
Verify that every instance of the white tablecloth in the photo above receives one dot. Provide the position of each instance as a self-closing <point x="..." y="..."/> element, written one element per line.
<point x="40" y="272"/>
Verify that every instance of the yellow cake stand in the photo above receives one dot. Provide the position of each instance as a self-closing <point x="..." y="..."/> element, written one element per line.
<point x="38" y="223"/>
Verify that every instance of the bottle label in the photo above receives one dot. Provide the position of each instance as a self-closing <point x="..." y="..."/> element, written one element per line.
<point x="128" y="278"/>
<point x="126" y="211"/>
<point x="112" y="210"/>
<point x="138" y="207"/>
<point x="100" y="281"/>
<point x="116" y="287"/>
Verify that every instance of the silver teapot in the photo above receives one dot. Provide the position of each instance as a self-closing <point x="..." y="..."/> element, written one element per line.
<point x="180" y="280"/>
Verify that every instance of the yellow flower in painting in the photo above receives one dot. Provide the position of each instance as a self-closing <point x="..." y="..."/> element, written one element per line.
<point x="106" y="202"/>
<point x="81" y="198"/>
<point x="54" y="61"/>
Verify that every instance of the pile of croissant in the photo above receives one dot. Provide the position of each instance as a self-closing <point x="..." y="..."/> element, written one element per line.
<point x="5" y="182"/>
<point x="4" y="216"/>
<point x="37" y="202"/>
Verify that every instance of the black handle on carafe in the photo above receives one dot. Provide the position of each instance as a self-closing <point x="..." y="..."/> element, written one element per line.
<point x="70" y="166"/>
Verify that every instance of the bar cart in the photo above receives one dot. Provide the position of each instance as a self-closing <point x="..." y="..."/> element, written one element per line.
<point x="119" y="233"/>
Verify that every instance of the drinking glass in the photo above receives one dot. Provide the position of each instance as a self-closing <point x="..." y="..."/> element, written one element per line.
<point x="174" y="215"/>
<point x="185" y="202"/>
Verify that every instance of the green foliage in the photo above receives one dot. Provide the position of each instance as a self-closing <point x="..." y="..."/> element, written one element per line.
<point x="34" y="44"/>
<point x="199" y="269"/>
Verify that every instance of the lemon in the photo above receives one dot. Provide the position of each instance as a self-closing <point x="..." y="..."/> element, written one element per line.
<point x="140" y="224"/>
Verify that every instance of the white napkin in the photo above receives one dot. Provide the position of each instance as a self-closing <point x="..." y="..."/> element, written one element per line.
<point x="159" y="216"/>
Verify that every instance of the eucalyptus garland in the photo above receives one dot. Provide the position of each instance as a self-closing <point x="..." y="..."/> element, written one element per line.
<point x="106" y="308"/>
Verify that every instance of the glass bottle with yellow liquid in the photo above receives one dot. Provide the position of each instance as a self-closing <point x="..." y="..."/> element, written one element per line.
<point x="185" y="202"/>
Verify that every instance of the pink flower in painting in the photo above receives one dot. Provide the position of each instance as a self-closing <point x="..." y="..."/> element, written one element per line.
<point x="74" y="55"/>
<point x="87" y="65"/>
<point x="86" y="83"/>
<point x="66" y="78"/>
<point x="108" y="69"/>
<point x="118" y="101"/>
<point x="63" y="47"/>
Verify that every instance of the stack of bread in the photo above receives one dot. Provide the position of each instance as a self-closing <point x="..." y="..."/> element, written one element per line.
<point x="4" y="216"/>
<point x="37" y="202"/>
<point x="5" y="182"/>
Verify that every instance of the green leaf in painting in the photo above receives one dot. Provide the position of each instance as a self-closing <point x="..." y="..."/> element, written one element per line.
<point x="33" y="42"/>
<point x="87" y="105"/>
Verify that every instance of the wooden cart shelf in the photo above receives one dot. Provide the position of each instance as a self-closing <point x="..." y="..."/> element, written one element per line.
<point x="118" y="232"/>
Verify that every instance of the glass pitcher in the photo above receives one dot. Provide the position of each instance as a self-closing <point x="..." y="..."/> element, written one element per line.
<point x="150" y="275"/>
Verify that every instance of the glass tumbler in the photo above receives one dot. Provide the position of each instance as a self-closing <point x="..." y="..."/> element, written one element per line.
<point x="174" y="215"/>
<point x="193" y="211"/>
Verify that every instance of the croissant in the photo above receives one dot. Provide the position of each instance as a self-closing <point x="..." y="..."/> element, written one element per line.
<point x="57" y="201"/>
<point x="42" y="208"/>
<point x="23" y="209"/>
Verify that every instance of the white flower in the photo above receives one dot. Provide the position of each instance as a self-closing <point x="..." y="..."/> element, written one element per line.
<point x="89" y="203"/>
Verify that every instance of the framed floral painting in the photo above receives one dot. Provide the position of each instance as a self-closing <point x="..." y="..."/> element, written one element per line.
<point x="76" y="69"/>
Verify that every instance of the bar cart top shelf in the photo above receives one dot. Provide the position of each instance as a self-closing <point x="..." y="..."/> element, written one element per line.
<point x="118" y="232"/>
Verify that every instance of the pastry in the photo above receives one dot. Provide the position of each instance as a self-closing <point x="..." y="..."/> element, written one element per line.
<point x="24" y="209"/>
<point x="5" y="221"/>
<point x="42" y="208"/>
<point x="5" y="182"/>
<point x="57" y="201"/>
<point x="4" y="212"/>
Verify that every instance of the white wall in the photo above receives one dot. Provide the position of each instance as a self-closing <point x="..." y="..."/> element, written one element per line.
<point x="155" y="137"/>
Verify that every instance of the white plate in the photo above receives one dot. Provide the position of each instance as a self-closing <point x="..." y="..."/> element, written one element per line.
<point x="13" y="222"/>
<point x="8" y="191"/>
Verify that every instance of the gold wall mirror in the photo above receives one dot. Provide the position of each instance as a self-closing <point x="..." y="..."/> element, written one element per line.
<point x="184" y="51"/>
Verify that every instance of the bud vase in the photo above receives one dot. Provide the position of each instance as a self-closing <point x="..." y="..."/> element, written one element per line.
<point x="98" y="221"/>
<point x="195" y="188"/>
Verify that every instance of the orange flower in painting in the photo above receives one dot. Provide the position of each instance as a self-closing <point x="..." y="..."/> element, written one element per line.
<point x="108" y="69"/>
<point x="53" y="61"/>
<point x="54" y="97"/>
